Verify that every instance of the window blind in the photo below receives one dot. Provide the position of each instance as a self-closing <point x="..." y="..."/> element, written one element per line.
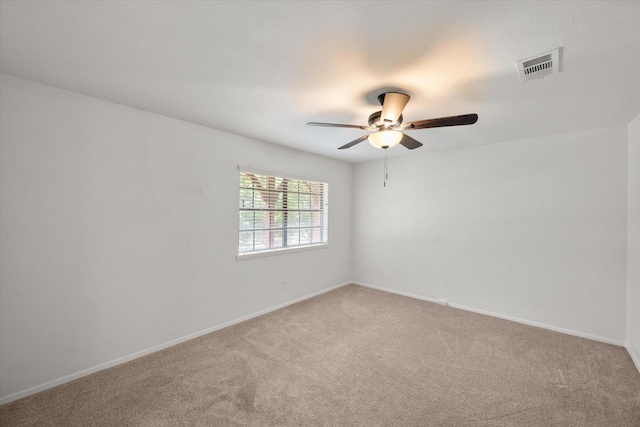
<point x="278" y="213"/>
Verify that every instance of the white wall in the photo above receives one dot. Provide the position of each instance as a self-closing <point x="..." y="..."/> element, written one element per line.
<point x="533" y="230"/>
<point x="119" y="233"/>
<point x="633" y="244"/>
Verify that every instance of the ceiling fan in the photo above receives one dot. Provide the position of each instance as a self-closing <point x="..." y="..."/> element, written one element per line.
<point x="387" y="125"/>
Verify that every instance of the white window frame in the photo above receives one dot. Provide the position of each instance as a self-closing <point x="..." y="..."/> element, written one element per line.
<point x="284" y="228"/>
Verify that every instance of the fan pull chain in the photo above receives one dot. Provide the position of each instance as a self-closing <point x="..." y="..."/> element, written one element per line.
<point x="386" y="167"/>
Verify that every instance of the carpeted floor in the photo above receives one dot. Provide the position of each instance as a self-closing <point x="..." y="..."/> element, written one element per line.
<point x="356" y="357"/>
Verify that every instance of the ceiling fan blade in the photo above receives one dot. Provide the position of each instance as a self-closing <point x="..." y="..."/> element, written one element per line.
<point x="465" y="119"/>
<point x="392" y="105"/>
<point x="354" y="142"/>
<point x="410" y="143"/>
<point x="336" y="125"/>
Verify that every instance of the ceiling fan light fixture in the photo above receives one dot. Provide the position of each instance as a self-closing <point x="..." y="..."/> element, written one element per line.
<point x="385" y="138"/>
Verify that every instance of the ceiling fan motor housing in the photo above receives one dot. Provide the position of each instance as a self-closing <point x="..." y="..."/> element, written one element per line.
<point x="376" y="122"/>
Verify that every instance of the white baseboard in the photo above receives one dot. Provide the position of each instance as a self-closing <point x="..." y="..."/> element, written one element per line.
<point x="501" y="316"/>
<point x="392" y="291"/>
<point x="634" y="357"/>
<point x="120" y="360"/>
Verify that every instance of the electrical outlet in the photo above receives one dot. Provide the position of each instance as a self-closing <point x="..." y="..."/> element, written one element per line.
<point x="284" y="284"/>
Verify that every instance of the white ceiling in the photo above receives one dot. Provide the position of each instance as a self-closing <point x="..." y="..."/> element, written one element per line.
<point x="264" y="69"/>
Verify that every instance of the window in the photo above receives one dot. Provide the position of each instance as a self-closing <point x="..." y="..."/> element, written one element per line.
<point x="279" y="213"/>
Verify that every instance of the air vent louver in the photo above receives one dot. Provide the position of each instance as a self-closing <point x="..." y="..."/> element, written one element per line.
<point x="539" y="66"/>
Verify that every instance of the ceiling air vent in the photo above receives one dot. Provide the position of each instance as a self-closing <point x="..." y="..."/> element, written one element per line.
<point x="539" y="66"/>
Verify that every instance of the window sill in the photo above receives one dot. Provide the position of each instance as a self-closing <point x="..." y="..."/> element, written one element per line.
<point x="282" y="251"/>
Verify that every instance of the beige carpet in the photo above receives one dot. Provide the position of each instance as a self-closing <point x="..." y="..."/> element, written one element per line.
<point x="356" y="357"/>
